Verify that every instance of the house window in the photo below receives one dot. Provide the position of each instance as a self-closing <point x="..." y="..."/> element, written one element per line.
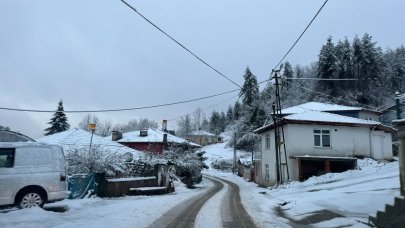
<point x="267" y="172"/>
<point x="369" y="118"/>
<point x="267" y="142"/>
<point x="219" y="139"/>
<point x="322" y="138"/>
<point x="7" y="157"/>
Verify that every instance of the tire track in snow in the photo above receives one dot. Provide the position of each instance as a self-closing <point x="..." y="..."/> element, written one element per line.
<point x="184" y="215"/>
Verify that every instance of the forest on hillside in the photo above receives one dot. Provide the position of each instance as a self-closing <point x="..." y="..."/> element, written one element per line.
<point x="375" y="74"/>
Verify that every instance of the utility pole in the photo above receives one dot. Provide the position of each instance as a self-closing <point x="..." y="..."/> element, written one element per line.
<point x="398" y="105"/>
<point x="279" y="133"/>
<point x="234" y="153"/>
<point x="276" y="142"/>
<point x="92" y="127"/>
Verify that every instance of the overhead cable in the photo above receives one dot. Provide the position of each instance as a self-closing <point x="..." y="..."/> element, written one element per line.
<point x="121" y="109"/>
<point x="181" y="45"/>
<point x="306" y="28"/>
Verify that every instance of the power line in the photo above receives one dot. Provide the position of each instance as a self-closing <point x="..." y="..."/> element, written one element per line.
<point x="327" y="95"/>
<point x="121" y="109"/>
<point x="181" y="45"/>
<point x="301" y="34"/>
<point x="323" y="79"/>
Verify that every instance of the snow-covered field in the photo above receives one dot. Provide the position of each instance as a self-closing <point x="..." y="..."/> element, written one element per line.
<point x="331" y="200"/>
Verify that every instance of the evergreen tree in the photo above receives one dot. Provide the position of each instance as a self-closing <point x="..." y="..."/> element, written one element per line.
<point x="358" y="59"/>
<point x="344" y="56"/>
<point x="288" y="74"/>
<point x="59" y="121"/>
<point x="237" y="111"/>
<point x="215" y="122"/>
<point x="250" y="90"/>
<point x="229" y="114"/>
<point x="327" y="66"/>
<point x="223" y="122"/>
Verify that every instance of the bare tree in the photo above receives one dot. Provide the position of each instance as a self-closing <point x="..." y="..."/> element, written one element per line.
<point x="198" y="117"/>
<point x="102" y="128"/>
<point x="88" y="119"/>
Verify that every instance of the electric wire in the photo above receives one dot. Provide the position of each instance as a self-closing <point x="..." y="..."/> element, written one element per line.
<point x="178" y="43"/>
<point x="120" y="109"/>
<point x="306" y="28"/>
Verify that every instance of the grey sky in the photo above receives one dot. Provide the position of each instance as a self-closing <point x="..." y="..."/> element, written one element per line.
<point x="99" y="54"/>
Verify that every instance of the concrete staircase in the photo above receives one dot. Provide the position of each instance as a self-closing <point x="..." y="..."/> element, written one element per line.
<point x="392" y="216"/>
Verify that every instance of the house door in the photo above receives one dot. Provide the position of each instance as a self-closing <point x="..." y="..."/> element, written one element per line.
<point x="377" y="151"/>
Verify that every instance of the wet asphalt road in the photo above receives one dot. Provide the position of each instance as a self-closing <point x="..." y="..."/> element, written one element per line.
<point x="233" y="213"/>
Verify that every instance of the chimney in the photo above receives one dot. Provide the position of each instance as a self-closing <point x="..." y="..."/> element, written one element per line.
<point x="143" y="132"/>
<point x="116" y="135"/>
<point x="165" y="144"/>
<point x="164" y="126"/>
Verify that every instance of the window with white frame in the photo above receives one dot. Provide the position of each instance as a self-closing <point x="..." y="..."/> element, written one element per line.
<point x="267" y="172"/>
<point x="321" y="138"/>
<point x="267" y="141"/>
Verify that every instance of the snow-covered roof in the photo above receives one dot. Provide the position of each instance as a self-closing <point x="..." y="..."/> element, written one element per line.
<point x="201" y="132"/>
<point x="78" y="138"/>
<point x="328" y="117"/>
<point x="317" y="106"/>
<point x="317" y="117"/>
<point x="154" y="136"/>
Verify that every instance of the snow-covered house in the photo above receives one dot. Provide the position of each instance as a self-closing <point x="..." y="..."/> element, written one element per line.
<point x="75" y="138"/>
<point x="356" y="112"/>
<point x="204" y="138"/>
<point x="151" y="140"/>
<point x="318" y="142"/>
<point x="12" y="136"/>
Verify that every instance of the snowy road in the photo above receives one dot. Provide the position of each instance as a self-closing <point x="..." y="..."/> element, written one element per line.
<point x="221" y="203"/>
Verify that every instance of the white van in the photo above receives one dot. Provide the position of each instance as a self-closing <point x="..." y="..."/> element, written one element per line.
<point x="31" y="174"/>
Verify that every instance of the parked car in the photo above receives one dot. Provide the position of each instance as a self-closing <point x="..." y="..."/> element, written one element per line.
<point x="32" y="174"/>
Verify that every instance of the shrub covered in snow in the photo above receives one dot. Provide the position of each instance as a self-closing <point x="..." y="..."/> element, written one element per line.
<point x="82" y="161"/>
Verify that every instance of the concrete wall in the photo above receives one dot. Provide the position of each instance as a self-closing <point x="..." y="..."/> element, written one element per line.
<point x="366" y="115"/>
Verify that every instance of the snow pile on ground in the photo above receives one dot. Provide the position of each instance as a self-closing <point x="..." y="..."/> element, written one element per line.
<point x="331" y="200"/>
<point x="221" y="155"/>
<point x="129" y="211"/>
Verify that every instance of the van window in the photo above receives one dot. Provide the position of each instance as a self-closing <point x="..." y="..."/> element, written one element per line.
<point x="7" y="157"/>
<point x="34" y="156"/>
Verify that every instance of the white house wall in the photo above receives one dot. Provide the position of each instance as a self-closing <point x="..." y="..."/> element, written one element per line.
<point x="345" y="142"/>
<point x="268" y="157"/>
<point x="367" y="115"/>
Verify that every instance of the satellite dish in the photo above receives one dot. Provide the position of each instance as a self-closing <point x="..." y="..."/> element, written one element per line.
<point x="128" y="157"/>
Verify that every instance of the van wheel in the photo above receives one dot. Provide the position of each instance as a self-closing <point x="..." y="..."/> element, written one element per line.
<point x="31" y="199"/>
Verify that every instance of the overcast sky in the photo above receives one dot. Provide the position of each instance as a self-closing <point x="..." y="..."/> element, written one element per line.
<point x="101" y="55"/>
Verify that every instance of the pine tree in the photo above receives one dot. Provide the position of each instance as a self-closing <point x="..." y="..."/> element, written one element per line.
<point x="229" y="115"/>
<point x="327" y="66"/>
<point x="358" y="59"/>
<point x="288" y="74"/>
<point x="59" y="121"/>
<point x="215" y="122"/>
<point x="237" y="109"/>
<point x="250" y="90"/>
